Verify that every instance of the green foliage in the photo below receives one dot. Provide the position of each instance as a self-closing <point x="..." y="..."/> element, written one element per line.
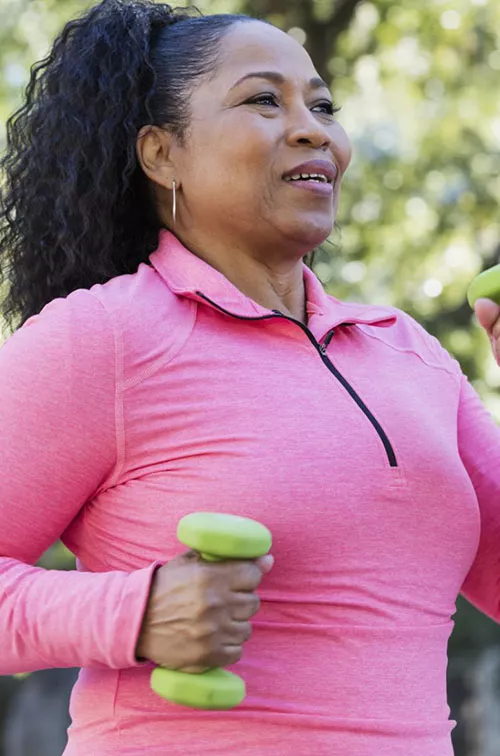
<point x="420" y="211"/>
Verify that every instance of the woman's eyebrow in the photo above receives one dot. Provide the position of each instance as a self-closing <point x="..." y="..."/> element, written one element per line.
<point x="277" y="78"/>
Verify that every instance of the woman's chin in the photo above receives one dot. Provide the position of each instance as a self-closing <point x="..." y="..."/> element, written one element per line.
<point x="308" y="232"/>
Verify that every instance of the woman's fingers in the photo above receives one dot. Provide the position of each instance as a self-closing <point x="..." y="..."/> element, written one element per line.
<point x="198" y="613"/>
<point x="488" y="313"/>
<point x="488" y="316"/>
<point x="244" y="606"/>
<point x="245" y="576"/>
<point x="239" y="633"/>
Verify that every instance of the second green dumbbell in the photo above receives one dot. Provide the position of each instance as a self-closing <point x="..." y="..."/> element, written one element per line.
<point x="216" y="537"/>
<point x="486" y="284"/>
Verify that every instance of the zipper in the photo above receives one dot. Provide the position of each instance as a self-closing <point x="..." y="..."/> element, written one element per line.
<point x="321" y="349"/>
<point x="238" y="317"/>
<point x="327" y="340"/>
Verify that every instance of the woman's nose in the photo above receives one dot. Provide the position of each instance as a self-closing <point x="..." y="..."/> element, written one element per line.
<point x="305" y="128"/>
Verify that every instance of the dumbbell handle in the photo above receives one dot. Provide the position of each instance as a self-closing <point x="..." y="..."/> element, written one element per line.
<point x="210" y="557"/>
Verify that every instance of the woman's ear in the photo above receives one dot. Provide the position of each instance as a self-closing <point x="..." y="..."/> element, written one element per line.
<point x="154" y="148"/>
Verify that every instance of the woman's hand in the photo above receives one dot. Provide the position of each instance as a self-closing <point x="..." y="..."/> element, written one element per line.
<point x="198" y="612"/>
<point x="488" y="315"/>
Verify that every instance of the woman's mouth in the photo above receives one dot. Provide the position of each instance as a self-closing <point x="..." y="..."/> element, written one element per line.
<point x="315" y="175"/>
<point x="315" y="182"/>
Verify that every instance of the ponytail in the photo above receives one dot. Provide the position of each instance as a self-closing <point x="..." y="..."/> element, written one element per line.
<point x="74" y="207"/>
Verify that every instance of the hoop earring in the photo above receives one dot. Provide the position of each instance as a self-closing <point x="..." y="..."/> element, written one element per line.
<point x="174" y="201"/>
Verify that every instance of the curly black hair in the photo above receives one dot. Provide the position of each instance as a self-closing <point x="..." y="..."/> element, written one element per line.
<point x="74" y="205"/>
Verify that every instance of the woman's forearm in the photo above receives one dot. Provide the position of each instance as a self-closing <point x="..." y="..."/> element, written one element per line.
<point x="52" y="618"/>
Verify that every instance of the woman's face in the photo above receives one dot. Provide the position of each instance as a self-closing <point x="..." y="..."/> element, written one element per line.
<point x="263" y="117"/>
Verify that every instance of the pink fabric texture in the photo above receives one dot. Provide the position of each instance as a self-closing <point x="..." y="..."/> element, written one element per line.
<point x="357" y="441"/>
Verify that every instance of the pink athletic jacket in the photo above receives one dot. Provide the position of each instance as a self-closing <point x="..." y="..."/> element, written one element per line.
<point x="357" y="440"/>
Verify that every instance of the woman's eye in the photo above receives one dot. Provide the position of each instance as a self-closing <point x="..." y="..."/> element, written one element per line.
<point x="267" y="98"/>
<point x="327" y="107"/>
<point x="264" y="99"/>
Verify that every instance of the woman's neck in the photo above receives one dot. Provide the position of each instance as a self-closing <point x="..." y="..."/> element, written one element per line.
<point x="277" y="284"/>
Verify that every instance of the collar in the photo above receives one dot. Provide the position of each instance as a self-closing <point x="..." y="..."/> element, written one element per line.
<point x="188" y="275"/>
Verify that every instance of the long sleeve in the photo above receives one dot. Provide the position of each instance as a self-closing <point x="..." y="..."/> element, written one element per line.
<point x="57" y="447"/>
<point x="479" y="447"/>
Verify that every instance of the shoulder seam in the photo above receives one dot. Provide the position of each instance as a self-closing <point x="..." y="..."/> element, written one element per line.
<point x="181" y="338"/>
<point x="119" y="414"/>
<point x="403" y="350"/>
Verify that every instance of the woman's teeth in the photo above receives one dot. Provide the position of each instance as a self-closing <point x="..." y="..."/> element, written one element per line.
<point x="308" y="177"/>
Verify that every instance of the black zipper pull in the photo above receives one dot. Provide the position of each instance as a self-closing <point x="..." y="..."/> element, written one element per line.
<point x="324" y="346"/>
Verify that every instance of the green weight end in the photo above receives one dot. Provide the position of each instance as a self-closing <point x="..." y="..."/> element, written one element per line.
<point x="224" y="536"/>
<point x="214" y="689"/>
<point x="486" y="284"/>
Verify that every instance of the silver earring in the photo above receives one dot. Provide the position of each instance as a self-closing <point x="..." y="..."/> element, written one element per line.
<point x="174" y="201"/>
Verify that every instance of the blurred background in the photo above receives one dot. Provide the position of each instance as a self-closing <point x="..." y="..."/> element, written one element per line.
<point x="419" y="86"/>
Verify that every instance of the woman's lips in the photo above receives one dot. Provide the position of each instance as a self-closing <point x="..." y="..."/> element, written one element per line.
<point x="319" y="187"/>
<point x="316" y="175"/>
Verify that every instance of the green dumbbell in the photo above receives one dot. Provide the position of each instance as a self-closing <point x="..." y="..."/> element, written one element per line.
<point x="216" y="537"/>
<point x="486" y="284"/>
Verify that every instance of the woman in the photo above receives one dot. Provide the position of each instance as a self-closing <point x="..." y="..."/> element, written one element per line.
<point x="166" y="177"/>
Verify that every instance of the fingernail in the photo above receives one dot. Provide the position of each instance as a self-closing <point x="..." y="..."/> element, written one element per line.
<point x="266" y="563"/>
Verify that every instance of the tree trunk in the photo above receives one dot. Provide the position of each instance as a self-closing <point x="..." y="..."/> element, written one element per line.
<point x="321" y="33"/>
